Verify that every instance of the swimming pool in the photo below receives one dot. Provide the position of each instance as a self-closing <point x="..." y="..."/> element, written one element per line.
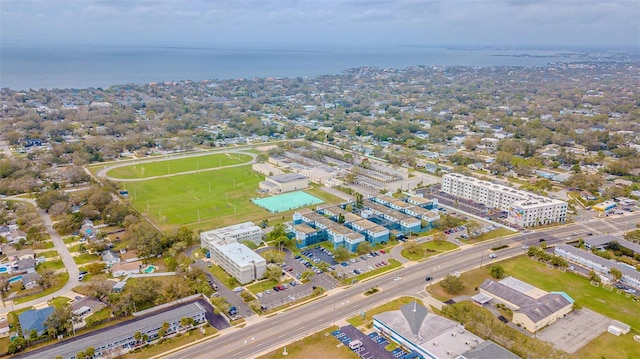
<point x="15" y="279"/>
<point x="287" y="201"/>
<point x="149" y="269"/>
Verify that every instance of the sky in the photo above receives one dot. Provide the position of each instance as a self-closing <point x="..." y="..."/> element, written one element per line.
<point x="269" y="23"/>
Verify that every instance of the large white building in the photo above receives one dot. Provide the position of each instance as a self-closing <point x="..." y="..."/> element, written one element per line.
<point x="524" y="209"/>
<point x="235" y="258"/>
<point x="246" y="231"/>
<point x="285" y="182"/>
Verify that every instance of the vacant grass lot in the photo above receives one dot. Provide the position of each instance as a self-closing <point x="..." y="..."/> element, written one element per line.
<point x="178" y="165"/>
<point x="610" y="346"/>
<point x="429" y="249"/>
<point x="318" y="345"/>
<point x="600" y="300"/>
<point x="497" y="233"/>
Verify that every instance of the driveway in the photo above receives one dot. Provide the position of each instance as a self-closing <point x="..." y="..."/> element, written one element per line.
<point x="233" y="298"/>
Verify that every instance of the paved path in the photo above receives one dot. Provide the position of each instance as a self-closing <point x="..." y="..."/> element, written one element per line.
<point x="62" y="250"/>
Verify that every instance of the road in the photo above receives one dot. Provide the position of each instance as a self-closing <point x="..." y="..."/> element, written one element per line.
<point x="65" y="256"/>
<point x="268" y="334"/>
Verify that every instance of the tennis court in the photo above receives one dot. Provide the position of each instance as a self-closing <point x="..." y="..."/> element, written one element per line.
<point x="287" y="201"/>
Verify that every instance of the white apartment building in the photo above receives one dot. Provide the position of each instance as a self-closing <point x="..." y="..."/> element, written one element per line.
<point x="235" y="258"/>
<point x="525" y="209"/>
<point x="246" y="231"/>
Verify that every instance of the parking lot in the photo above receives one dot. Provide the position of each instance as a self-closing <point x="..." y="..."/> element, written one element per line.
<point x="362" y="264"/>
<point x="575" y="330"/>
<point x="372" y="346"/>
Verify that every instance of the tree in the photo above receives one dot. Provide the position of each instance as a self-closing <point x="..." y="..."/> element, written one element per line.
<point x="341" y="254"/>
<point x="452" y="284"/>
<point x="594" y="277"/>
<point x="90" y="352"/>
<point x="497" y="271"/>
<point x="439" y="238"/>
<point x="137" y="336"/>
<point x="16" y="345"/>
<point x="472" y="226"/>
<point x="273" y="273"/>
<point x="163" y="330"/>
<point x="364" y="247"/>
<point x="81" y="355"/>
<point x="616" y="273"/>
<point x="47" y="198"/>
<point x="359" y="200"/>
<point x="59" y="322"/>
<point x="185" y="235"/>
<point x="95" y="267"/>
<point x="411" y="247"/>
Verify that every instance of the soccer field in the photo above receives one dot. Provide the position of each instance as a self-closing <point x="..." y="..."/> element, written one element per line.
<point x="178" y="165"/>
<point x="223" y="195"/>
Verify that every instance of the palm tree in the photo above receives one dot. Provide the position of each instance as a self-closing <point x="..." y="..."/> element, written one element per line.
<point x="90" y="352"/>
<point x="137" y="336"/>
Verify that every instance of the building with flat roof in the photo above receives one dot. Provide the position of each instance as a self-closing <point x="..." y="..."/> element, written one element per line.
<point x="600" y="265"/>
<point x="234" y="257"/>
<point x="524" y="209"/>
<point x="430" y="335"/>
<point x="119" y="340"/>
<point x="285" y="182"/>
<point x="246" y="231"/>
<point x="532" y="307"/>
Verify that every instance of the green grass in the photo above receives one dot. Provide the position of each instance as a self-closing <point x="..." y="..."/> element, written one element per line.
<point x="59" y="282"/>
<point x="598" y="299"/>
<point x="47" y="254"/>
<point x="320" y="344"/>
<point x="169" y="344"/>
<point x="102" y="314"/>
<point x="497" y="233"/>
<point x="358" y="320"/>
<point x="75" y="248"/>
<point x="218" y="197"/>
<point x="71" y="239"/>
<point x="59" y="301"/>
<point x="608" y="346"/>
<point x="223" y="277"/>
<point x="178" y="165"/>
<point x="205" y="200"/>
<point x="431" y="245"/>
<point x="262" y="286"/>
<point x="50" y="266"/>
<point x="85" y="258"/>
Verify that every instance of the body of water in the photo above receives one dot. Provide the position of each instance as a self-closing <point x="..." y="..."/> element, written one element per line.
<point x="25" y="67"/>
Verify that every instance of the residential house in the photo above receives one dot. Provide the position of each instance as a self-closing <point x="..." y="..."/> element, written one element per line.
<point x="110" y="258"/>
<point x="33" y="319"/>
<point x="122" y="269"/>
<point x="31" y="280"/>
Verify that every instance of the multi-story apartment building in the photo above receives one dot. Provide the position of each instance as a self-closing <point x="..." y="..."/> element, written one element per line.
<point x="524" y="209"/>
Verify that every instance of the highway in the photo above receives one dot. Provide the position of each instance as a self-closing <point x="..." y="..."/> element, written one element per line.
<point x="267" y="334"/>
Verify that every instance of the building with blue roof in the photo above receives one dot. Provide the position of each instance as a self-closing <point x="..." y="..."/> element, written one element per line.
<point x="34" y="320"/>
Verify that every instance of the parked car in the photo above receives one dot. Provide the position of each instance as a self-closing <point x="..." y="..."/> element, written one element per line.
<point x="428" y="279"/>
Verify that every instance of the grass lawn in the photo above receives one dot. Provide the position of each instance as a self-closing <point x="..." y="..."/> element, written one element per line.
<point x="497" y="233"/>
<point x="178" y="165"/>
<point x="50" y="266"/>
<point x="598" y="299"/>
<point x="48" y="254"/>
<point x="71" y="239"/>
<point x="610" y="346"/>
<point x="75" y="248"/>
<point x="223" y="277"/>
<point x="103" y="313"/>
<point x="262" y="286"/>
<point x="471" y="280"/>
<point x="320" y="344"/>
<point x="427" y="248"/>
<point x="85" y="258"/>
<point x="59" y="282"/>
<point x="358" y="320"/>
<point x="59" y="301"/>
<point x="167" y="345"/>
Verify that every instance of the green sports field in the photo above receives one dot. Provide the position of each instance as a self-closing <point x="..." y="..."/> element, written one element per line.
<point x="221" y="194"/>
<point x="178" y="165"/>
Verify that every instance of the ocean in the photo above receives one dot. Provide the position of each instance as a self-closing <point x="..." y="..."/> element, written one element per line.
<point x="35" y="67"/>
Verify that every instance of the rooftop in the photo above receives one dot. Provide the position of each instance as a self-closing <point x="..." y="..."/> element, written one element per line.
<point x="287" y="177"/>
<point x="239" y="253"/>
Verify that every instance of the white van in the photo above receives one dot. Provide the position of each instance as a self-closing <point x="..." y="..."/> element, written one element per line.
<point x="238" y="289"/>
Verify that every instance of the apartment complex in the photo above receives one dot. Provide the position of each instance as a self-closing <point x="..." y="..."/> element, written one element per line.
<point x="235" y="258"/>
<point x="524" y="209"/>
<point x="598" y="264"/>
<point x="372" y="223"/>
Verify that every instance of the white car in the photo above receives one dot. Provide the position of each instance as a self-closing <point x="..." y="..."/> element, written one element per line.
<point x="259" y="295"/>
<point x="397" y="279"/>
<point x="268" y="291"/>
<point x="492" y="255"/>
